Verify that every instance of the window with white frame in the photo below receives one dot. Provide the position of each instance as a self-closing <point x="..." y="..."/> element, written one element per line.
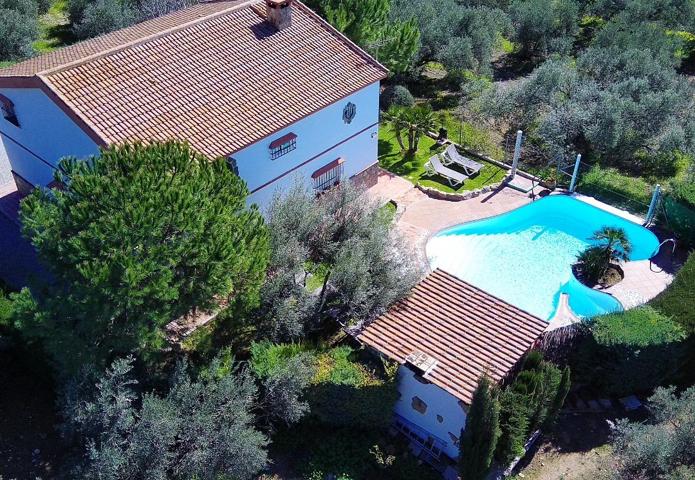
<point x="328" y="176"/>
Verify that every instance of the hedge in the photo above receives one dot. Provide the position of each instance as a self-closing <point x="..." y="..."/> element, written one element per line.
<point x="679" y="208"/>
<point x="630" y="352"/>
<point x="678" y="300"/>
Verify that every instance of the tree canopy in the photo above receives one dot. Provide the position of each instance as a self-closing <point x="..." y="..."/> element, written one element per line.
<point x="482" y="430"/>
<point x="662" y="448"/>
<point x="460" y="35"/>
<point x="393" y="42"/>
<point x="18" y="28"/>
<point x="135" y="238"/>
<point x="346" y="242"/>
<point x="202" y="428"/>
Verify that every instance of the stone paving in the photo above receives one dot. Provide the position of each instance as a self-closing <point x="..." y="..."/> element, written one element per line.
<point x="423" y="216"/>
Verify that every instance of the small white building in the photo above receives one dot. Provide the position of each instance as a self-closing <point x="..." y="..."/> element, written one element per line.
<point x="269" y="85"/>
<point x="445" y="335"/>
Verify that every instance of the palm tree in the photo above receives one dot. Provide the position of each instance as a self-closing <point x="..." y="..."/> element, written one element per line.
<point x="616" y="246"/>
<point x="398" y="118"/>
<point x="613" y="247"/>
<point x="423" y="122"/>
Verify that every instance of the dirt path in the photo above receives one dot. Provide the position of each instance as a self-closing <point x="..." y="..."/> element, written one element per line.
<point x="577" y="451"/>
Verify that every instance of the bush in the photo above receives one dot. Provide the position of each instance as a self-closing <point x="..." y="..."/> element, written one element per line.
<point x="679" y="211"/>
<point x="349" y="454"/>
<point x="345" y="393"/>
<point x="630" y="352"/>
<point x="18" y="29"/>
<point x="267" y="356"/>
<point x="678" y="300"/>
<point x="396" y="95"/>
<point x="104" y="16"/>
<point x="5" y="310"/>
<point x="532" y="401"/>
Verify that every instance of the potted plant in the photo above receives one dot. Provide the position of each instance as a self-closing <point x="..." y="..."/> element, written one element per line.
<point x="548" y="178"/>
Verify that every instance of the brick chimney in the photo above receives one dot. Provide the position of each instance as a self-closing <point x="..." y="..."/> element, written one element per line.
<point x="279" y="13"/>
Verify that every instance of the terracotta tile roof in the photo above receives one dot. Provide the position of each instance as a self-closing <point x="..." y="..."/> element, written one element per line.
<point x="215" y="74"/>
<point x="465" y="329"/>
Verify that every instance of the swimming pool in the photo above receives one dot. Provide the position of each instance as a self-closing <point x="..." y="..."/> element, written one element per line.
<point x="525" y="256"/>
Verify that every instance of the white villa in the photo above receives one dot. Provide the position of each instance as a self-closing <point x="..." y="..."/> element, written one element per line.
<point x="268" y="85"/>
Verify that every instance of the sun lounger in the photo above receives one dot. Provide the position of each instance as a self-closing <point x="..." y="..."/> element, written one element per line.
<point x="451" y="155"/>
<point x="434" y="166"/>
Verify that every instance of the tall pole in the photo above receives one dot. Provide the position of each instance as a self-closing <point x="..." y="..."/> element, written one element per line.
<point x="517" y="153"/>
<point x="652" y="204"/>
<point x="575" y="173"/>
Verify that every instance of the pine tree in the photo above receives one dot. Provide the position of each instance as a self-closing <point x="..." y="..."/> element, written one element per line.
<point x="479" y="438"/>
<point x="138" y="236"/>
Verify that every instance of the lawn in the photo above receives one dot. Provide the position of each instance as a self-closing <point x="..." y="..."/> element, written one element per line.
<point x="412" y="166"/>
<point x="54" y="28"/>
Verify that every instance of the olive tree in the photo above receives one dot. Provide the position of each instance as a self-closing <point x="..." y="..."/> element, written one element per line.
<point x="349" y="246"/>
<point x="664" y="447"/>
<point x="202" y="428"/>
<point x="18" y="28"/>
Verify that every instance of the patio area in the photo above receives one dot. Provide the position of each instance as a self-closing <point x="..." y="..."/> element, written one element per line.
<point x="422" y="216"/>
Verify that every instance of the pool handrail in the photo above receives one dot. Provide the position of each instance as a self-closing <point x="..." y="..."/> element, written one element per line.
<point x="658" y="249"/>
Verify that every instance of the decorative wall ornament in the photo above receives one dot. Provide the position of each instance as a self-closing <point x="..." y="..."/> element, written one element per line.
<point x="349" y="112"/>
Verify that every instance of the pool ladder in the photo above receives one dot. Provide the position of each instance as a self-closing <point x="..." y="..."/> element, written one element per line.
<point x="658" y="249"/>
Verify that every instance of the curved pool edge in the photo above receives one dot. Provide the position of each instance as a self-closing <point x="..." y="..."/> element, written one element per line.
<point x="593" y="204"/>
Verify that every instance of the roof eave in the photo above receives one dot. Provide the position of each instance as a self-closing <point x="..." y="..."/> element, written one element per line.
<point x="40" y="83"/>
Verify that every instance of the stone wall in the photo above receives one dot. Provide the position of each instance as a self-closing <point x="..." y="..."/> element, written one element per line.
<point x="466" y="195"/>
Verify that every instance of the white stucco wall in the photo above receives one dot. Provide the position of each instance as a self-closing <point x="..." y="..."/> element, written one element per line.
<point x="323" y="135"/>
<point x="439" y="402"/>
<point x="45" y="135"/>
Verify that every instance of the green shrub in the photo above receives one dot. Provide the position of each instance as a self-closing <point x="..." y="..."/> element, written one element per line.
<point x="630" y="352"/>
<point x="104" y="16"/>
<point x="267" y="356"/>
<point x="396" y="95"/>
<point x="679" y="211"/>
<point x="678" y="300"/>
<point x="532" y="401"/>
<point x="5" y="310"/>
<point x="346" y="393"/>
<point x="639" y="327"/>
<point x="514" y="425"/>
<point x="18" y="28"/>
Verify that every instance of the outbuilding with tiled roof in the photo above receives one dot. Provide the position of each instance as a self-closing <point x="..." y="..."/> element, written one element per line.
<point x="445" y="334"/>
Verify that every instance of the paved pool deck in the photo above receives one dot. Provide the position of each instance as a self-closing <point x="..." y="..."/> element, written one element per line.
<point x="423" y="216"/>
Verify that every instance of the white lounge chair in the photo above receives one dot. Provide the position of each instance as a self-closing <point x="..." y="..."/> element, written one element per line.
<point x="451" y="155"/>
<point x="434" y="166"/>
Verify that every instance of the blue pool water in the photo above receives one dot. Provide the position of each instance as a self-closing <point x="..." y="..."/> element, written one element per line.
<point x="525" y="256"/>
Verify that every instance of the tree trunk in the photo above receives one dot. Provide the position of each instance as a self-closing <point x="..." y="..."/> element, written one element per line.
<point x="411" y="139"/>
<point x="399" y="139"/>
<point x="322" y="296"/>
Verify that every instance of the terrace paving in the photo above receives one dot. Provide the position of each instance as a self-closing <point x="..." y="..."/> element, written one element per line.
<point x="424" y="216"/>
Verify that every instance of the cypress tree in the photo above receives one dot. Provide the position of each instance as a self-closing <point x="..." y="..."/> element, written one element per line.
<point x="562" y="390"/>
<point x="479" y="438"/>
